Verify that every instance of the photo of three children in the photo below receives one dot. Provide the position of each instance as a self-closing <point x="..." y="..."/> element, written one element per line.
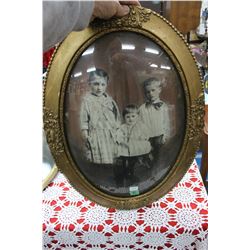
<point x="130" y="141"/>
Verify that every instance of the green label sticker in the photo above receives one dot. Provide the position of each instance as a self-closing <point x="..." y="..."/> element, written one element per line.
<point x="133" y="190"/>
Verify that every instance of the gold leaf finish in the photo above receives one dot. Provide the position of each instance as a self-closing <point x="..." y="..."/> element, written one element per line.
<point x="134" y="19"/>
<point x="53" y="132"/>
<point x="131" y="203"/>
<point x="196" y="122"/>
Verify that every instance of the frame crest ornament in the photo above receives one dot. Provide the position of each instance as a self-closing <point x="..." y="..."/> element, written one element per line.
<point x="145" y="23"/>
<point x="134" y="19"/>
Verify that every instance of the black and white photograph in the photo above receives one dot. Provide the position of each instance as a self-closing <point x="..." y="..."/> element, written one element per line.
<point x="125" y="119"/>
<point x="124" y="113"/>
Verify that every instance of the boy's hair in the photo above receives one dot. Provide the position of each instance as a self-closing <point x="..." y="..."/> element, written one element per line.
<point x="150" y="80"/>
<point x="98" y="72"/>
<point x="131" y="108"/>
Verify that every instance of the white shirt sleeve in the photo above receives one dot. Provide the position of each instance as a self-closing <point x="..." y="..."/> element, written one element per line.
<point x="62" y="17"/>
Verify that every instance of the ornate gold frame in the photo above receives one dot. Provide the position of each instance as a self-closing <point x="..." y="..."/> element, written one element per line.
<point x="159" y="30"/>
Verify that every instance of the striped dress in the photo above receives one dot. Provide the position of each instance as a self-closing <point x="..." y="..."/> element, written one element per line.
<point x="133" y="140"/>
<point x="100" y="117"/>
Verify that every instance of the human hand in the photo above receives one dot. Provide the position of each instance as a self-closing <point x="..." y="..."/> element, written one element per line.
<point x="107" y="9"/>
<point x="119" y="138"/>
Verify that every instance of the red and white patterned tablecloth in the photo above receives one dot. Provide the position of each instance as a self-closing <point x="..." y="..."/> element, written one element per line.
<point x="177" y="221"/>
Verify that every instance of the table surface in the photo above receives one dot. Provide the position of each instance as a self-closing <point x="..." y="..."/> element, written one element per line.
<point x="177" y="221"/>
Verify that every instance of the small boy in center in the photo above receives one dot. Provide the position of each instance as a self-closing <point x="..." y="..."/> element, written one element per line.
<point x="133" y="139"/>
<point x="155" y="115"/>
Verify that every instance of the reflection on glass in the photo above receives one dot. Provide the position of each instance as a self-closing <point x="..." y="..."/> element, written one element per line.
<point x="153" y="65"/>
<point x="165" y="67"/>
<point x="88" y="51"/>
<point x="77" y="74"/>
<point x="125" y="115"/>
<point x="128" y="47"/>
<point x="91" y="69"/>
<point x="153" y="51"/>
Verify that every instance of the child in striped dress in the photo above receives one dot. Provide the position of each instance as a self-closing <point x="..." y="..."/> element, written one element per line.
<point x="133" y="138"/>
<point x="155" y="115"/>
<point x="99" y="120"/>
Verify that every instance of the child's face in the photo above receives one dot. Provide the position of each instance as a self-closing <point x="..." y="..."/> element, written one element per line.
<point x="153" y="91"/>
<point x="130" y="118"/>
<point x="98" y="85"/>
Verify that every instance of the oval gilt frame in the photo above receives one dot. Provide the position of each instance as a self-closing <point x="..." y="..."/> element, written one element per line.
<point x="153" y="26"/>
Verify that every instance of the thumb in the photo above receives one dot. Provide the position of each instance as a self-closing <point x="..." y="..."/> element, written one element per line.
<point x="122" y="10"/>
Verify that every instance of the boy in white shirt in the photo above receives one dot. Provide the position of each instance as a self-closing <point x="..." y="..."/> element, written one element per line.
<point x="155" y="115"/>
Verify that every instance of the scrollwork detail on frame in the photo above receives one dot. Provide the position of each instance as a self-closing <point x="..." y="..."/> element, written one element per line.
<point x="52" y="131"/>
<point x="131" y="203"/>
<point x="134" y="19"/>
<point x="196" y="122"/>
